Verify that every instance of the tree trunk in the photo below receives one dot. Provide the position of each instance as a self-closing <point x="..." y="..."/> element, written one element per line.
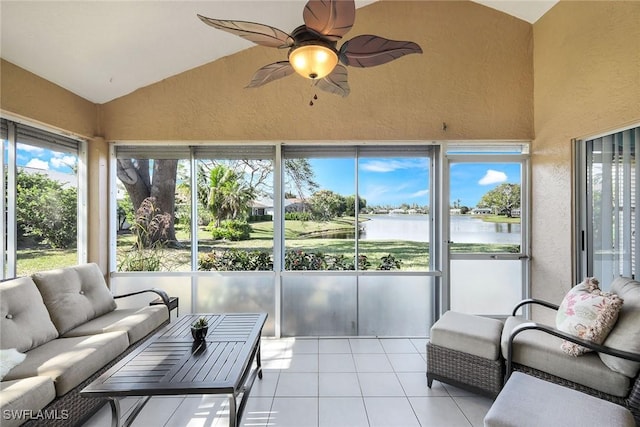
<point x="135" y="176"/>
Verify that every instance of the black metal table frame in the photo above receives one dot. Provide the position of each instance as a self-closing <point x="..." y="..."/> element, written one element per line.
<point x="236" y="410"/>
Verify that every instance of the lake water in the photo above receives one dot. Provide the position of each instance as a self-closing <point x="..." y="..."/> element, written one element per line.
<point x="464" y="229"/>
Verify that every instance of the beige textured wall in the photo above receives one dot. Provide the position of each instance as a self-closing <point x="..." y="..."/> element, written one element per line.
<point x="24" y="94"/>
<point x="475" y="75"/>
<point x="587" y="81"/>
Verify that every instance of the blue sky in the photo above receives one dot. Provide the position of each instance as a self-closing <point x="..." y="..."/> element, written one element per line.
<point x="40" y="158"/>
<point x="394" y="181"/>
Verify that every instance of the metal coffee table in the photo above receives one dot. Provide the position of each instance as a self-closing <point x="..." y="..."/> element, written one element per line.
<point x="171" y="363"/>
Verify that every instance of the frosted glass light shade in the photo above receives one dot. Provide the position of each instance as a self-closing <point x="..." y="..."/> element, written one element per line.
<point x="313" y="61"/>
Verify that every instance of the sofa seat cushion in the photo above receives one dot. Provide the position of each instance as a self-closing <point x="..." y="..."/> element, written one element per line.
<point x="137" y="323"/>
<point x="24" y="319"/>
<point x="70" y="361"/>
<point x="74" y="295"/>
<point x="542" y="351"/>
<point x="33" y="394"/>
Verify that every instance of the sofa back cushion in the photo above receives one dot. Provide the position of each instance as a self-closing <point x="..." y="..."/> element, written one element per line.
<point x="625" y="335"/>
<point x="24" y="319"/>
<point x="74" y="295"/>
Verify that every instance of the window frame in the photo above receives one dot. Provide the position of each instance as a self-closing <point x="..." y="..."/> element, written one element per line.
<point x="13" y="132"/>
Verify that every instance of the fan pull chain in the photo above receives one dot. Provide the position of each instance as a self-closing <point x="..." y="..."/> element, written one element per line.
<point x="315" y="97"/>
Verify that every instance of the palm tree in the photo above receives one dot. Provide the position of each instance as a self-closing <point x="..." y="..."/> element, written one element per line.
<point x="228" y="196"/>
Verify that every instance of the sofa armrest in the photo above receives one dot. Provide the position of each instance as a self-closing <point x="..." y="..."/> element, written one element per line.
<point x="553" y="331"/>
<point x="162" y="294"/>
<point x="534" y="301"/>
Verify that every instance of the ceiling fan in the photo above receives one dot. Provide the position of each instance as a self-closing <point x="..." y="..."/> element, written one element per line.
<point x="312" y="47"/>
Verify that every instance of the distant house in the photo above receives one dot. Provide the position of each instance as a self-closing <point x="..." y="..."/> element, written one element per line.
<point x="264" y="206"/>
<point x="261" y="207"/>
<point x="455" y="211"/>
<point x="296" y="205"/>
<point x="481" y="211"/>
<point x="397" y="211"/>
<point x="515" y="212"/>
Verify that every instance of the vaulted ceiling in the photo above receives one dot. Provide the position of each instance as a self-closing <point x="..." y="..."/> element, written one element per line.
<point x="102" y="50"/>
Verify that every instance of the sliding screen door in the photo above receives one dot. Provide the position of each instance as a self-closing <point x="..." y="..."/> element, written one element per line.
<point x="607" y="215"/>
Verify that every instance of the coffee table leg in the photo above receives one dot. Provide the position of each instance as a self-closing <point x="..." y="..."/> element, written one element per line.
<point x="136" y="410"/>
<point x="258" y="361"/>
<point x="233" y="414"/>
<point x="115" y="411"/>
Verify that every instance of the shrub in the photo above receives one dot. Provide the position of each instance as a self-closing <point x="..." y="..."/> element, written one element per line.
<point x="363" y="262"/>
<point x="301" y="260"/>
<point x="232" y="229"/>
<point x="46" y="209"/>
<point x="151" y="225"/>
<point x="389" y="262"/>
<point x="260" y="218"/>
<point x="298" y="216"/>
<point x="235" y="260"/>
<point x="141" y="260"/>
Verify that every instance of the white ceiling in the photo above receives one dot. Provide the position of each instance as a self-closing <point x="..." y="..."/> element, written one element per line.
<point x="101" y="50"/>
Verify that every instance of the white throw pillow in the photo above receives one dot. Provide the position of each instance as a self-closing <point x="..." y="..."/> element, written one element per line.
<point x="588" y="313"/>
<point x="9" y="358"/>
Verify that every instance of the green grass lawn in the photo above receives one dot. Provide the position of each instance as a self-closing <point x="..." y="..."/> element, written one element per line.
<point x="33" y="260"/>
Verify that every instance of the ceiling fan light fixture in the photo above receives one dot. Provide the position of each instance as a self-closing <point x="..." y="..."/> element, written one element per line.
<point x="313" y="61"/>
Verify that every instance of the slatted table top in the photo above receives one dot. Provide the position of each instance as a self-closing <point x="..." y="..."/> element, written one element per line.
<point x="171" y="363"/>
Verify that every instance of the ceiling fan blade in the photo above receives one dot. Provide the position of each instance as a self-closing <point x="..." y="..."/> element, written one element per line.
<point x="271" y="72"/>
<point x="330" y="18"/>
<point x="261" y="34"/>
<point x="336" y="82"/>
<point x="369" y="50"/>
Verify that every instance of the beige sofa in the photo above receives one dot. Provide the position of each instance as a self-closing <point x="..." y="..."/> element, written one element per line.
<point x="68" y="325"/>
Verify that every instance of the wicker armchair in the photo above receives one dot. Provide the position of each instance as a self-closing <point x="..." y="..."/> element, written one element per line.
<point x="534" y="349"/>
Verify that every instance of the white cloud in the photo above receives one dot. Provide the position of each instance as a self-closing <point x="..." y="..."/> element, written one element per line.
<point x="378" y="166"/>
<point x="391" y="165"/>
<point x="493" y="177"/>
<point x="37" y="164"/>
<point x="420" y="193"/>
<point x="62" y="161"/>
<point x="29" y="148"/>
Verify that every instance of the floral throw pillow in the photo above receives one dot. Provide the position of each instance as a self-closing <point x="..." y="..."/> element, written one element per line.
<point x="587" y="313"/>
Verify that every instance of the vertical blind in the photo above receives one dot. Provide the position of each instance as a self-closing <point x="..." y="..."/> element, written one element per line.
<point x="612" y="172"/>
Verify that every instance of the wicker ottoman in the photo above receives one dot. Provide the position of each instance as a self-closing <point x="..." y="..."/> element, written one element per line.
<point x="464" y="351"/>
<point x="527" y="401"/>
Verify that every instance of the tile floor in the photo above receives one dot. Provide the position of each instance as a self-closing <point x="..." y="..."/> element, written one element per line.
<point x="349" y="382"/>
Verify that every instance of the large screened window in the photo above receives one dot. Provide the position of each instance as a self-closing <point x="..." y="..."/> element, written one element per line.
<point x="225" y="224"/>
<point x="41" y="180"/>
<point x="395" y="217"/>
<point x="235" y="207"/>
<point x="357" y="208"/>
<point x="153" y="202"/>
<point x="607" y="198"/>
<point x="320" y="218"/>
<point x="342" y="208"/>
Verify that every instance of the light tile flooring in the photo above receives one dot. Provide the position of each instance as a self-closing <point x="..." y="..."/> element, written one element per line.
<point x="349" y="382"/>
